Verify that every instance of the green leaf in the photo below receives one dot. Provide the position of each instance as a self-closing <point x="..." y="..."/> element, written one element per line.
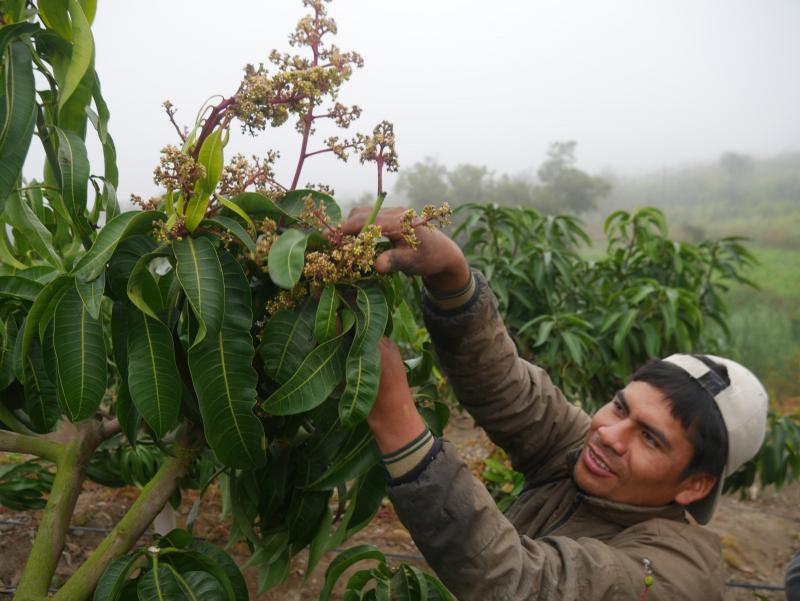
<point x="54" y="15"/>
<point x="315" y="379"/>
<point x="225" y="381"/>
<point x="211" y="157"/>
<point x="202" y="586"/>
<point x="196" y="209"/>
<point x="544" y="332"/>
<point x="114" y="578"/>
<point x="437" y="590"/>
<point x="259" y="206"/>
<point x="189" y="559"/>
<point x="115" y="231"/>
<point x="233" y="227"/>
<point x="287" y="257"/>
<point x="12" y="286"/>
<point x="370" y="489"/>
<point x="228" y="566"/>
<point x="119" y="337"/>
<point x="200" y="275"/>
<point x="306" y="508"/>
<point x="143" y="290"/>
<point x="574" y="346"/>
<point x="74" y="164"/>
<point x="124" y="260"/>
<point x="36" y="234"/>
<point x="153" y="378"/>
<point x="159" y="584"/>
<point x="82" y="53"/>
<point x="128" y="415"/>
<point x="343" y="561"/>
<point x="231" y="206"/>
<point x="43" y="309"/>
<point x="103" y="115"/>
<point x="44" y="274"/>
<point x="80" y="357"/>
<point x="89" y="9"/>
<point x="288" y="337"/>
<point x="293" y="203"/>
<point x="91" y="294"/>
<point x="358" y="454"/>
<point x="9" y="33"/>
<point x="325" y="320"/>
<point x="41" y="402"/>
<point x="73" y="115"/>
<point x="623" y="330"/>
<point x="319" y="545"/>
<point x="8" y="343"/>
<point x="17" y="116"/>
<point x="363" y="360"/>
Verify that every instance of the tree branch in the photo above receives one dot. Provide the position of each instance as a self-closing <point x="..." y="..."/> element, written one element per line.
<point x="30" y="445"/>
<point x="13" y="422"/>
<point x="109" y="428"/>
<point x="132" y="525"/>
<point x="72" y="446"/>
<point x="52" y="531"/>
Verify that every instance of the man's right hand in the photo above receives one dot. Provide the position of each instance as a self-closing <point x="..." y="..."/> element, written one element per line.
<point x="437" y="258"/>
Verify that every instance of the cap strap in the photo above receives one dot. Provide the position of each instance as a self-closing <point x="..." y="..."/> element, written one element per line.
<point x="701" y="373"/>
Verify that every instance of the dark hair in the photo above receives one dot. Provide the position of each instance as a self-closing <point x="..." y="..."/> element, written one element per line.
<point x="695" y="408"/>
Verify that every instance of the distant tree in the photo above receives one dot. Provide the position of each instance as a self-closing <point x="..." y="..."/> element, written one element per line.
<point x="566" y="188"/>
<point x="736" y="167"/>
<point x="735" y="164"/>
<point x="563" y="188"/>
<point x="514" y="191"/>
<point x="423" y="183"/>
<point x="470" y="183"/>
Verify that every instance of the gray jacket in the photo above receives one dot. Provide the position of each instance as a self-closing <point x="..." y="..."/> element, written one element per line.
<point x="555" y="543"/>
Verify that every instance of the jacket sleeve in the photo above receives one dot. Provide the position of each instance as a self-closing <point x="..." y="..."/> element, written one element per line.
<point x="793" y="579"/>
<point x="513" y="400"/>
<point x="479" y="556"/>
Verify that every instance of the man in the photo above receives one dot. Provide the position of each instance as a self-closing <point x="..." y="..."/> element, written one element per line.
<point x="604" y="512"/>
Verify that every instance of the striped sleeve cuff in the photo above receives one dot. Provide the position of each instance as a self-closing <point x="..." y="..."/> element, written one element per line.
<point x="403" y="460"/>
<point x="455" y="300"/>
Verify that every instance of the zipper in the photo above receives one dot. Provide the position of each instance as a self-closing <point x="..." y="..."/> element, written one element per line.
<point x="565" y="518"/>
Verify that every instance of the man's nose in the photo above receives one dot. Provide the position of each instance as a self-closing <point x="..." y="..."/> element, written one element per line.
<point x="616" y="436"/>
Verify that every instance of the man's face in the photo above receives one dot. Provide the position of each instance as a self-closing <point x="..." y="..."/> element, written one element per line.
<point x="636" y="451"/>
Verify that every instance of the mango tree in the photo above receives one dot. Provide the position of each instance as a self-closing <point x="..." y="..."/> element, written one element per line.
<point x="227" y="329"/>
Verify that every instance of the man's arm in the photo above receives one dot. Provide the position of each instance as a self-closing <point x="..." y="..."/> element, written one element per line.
<point x="514" y="401"/>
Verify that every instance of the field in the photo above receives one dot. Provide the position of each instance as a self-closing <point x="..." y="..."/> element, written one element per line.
<point x="765" y="323"/>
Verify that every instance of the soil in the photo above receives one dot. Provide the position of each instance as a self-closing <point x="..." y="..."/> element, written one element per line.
<point x="758" y="536"/>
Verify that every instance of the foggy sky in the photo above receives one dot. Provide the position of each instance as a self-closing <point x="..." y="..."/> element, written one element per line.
<point x="640" y="85"/>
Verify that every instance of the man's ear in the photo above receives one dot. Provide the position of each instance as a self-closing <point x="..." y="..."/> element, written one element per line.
<point x="694" y="488"/>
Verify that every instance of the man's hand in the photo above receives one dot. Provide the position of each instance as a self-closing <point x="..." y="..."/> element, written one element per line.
<point x="394" y="418"/>
<point x="437" y="258"/>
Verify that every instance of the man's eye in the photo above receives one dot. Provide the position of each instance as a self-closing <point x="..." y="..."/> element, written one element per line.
<point x="650" y="439"/>
<point x="617" y="406"/>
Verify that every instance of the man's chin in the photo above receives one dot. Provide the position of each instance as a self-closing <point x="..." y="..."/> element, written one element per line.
<point x="589" y="483"/>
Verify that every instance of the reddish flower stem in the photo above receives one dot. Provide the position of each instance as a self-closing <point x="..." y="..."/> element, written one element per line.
<point x="309" y="116"/>
<point x="324" y="150"/>
<point x="213" y="120"/>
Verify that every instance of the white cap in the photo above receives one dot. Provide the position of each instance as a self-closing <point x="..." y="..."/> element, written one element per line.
<point x="743" y="405"/>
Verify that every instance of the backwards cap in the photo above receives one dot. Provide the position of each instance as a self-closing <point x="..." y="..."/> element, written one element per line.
<point x="743" y="405"/>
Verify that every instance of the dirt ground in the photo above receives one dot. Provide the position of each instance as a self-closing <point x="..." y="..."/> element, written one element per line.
<point x="758" y="537"/>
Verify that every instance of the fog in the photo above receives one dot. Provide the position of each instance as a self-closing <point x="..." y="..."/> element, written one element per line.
<point x="640" y="85"/>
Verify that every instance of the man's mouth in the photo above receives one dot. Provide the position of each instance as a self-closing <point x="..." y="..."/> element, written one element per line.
<point x="595" y="463"/>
